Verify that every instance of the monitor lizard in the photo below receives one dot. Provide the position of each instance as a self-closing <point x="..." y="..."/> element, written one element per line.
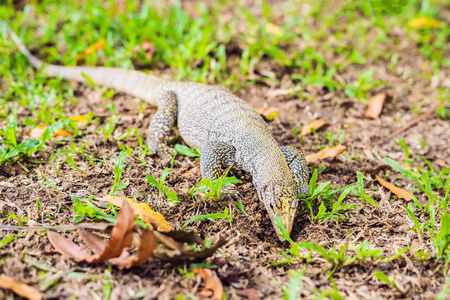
<point x="227" y="131"/>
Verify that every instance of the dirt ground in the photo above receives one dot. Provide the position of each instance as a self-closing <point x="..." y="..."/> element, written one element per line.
<point x="242" y="265"/>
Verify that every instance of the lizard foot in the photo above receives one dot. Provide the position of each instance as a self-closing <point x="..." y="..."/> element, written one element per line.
<point x="166" y="155"/>
<point x="162" y="150"/>
<point x="231" y="192"/>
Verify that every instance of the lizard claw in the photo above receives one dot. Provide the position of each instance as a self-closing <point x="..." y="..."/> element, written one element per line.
<point x="161" y="149"/>
<point x="232" y="192"/>
<point x="166" y="155"/>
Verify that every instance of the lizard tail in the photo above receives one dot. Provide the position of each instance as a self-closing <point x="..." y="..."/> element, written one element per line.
<point x="33" y="59"/>
<point x="131" y="82"/>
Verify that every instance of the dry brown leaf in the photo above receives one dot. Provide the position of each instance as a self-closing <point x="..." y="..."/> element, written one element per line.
<point x="269" y="113"/>
<point x="112" y="251"/>
<point x="316" y="124"/>
<point x="211" y="281"/>
<point x="250" y="293"/>
<point x="68" y="248"/>
<point x="424" y="22"/>
<point x="185" y="237"/>
<point x="121" y="238"/>
<point x="146" y="247"/>
<point x="38" y="131"/>
<point x="441" y="163"/>
<point x="375" y="106"/>
<point x="148" y="47"/>
<point x="401" y="193"/>
<point x="145" y="213"/>
<point x="325" y="153"/>
<point x="99" y="45"/>
<point x="171" y="243"/>
<point x="95" y="242"/>
<point x="20" y="289"/>
<point x="121" y="235"/>
<point x="173" y="249"/>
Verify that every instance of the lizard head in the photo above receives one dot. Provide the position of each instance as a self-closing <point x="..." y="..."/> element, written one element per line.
<point x="280" y="198"/>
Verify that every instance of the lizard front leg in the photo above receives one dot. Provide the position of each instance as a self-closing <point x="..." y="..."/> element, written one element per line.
<point x="161" y="124"/>
<point x="216" y="156"/>
<point x="298" y="167"/>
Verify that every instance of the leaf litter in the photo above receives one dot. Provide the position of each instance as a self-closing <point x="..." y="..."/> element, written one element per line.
<point x="376" y="105"/>
<point x="401" y="193"/>
<point x="145" y="213"/>
<point x="314" y="125"/>
<point x="211" y="282"/>
<point x="20" y="289"/>
<point x="328" y="152"/>
<point x="38" y="131"/>
<point x="172" y="246"/>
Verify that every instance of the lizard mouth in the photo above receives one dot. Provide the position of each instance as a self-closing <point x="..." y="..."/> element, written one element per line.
<point x="280" y="198"/>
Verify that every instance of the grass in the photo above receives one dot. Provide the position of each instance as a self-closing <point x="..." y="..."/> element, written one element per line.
<point x="227" y="214"/>
<point x="159" y="184"/>
<point x="349" y="38"/>
<point x="196" y="48"/>
<point x="213" y="188"/>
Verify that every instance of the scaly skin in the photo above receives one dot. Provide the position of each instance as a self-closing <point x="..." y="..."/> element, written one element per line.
<point x="225" y="128"/>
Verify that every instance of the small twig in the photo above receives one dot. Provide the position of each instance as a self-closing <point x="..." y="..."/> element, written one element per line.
<point x="412" y="123"/>
<point x="96" y="226"/>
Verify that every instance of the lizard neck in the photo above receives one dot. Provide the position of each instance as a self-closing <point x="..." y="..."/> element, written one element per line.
<point x="268" y="165"/>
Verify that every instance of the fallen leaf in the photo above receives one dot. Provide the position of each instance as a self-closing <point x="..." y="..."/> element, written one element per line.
<point x="145" y="213"/>
<point x="269" y="113"/>
<point x="121" y="238"/>
<point x="146" y="247"/>
<point x="148" y="47"/>
<point x="38" y="131"/>
<point x="273" y="29"/>
<point x="316" y="124"/>
<point x="68" y="248"/>
<point x="173" y="249"/>
<point x="424" y="22"/>
<point x="250" y="293"/>
<point x="185" y="236"/>
<point x="96" y="242"/>
<point x="375" y="106"/>
<point x="401" y="193"/>
<point x="81" y="118"/>
<point x="325" y="153"/>
<point x="441" y="163"/>
<point x="20" y="289"/>
<point x="172" y="245"/>
<point x="211" y="281"/>
<point x="99" y="45"/>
